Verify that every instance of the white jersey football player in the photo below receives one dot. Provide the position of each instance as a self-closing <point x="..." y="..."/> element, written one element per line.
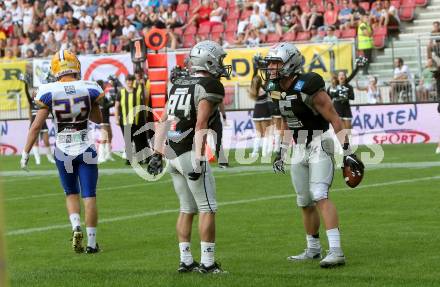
<point x="308" y="111"/>
<point x="192" y="103"/>
<point x="73" y="103"/>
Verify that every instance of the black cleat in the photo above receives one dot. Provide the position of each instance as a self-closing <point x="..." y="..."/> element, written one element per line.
<point x="224" y="165"/>
<point x="214" y="268"/>
<point x="183" y="268"/>
<point x="91" y="250"/>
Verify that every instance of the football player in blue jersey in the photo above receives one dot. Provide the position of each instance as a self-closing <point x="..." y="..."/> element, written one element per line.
<point x="73" y="102"/>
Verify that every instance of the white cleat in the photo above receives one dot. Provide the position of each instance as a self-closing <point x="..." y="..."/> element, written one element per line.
<point x="308" y="254"/>
<point x="334" y="258"/>
<point x="437" y="150"/>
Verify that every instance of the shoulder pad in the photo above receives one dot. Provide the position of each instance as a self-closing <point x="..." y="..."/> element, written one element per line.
<point x="212" y="86"/>
<point x="309" y="83"/>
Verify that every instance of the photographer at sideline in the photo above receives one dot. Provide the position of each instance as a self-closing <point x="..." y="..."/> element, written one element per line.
<point x="44" y="132"/>
<point x="344" y="92"/>
<point x="131" y="117"/>
<point x="106" y="103"/>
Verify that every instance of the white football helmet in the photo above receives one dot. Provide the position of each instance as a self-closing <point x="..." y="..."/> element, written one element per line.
<point x="290" y="57"/>
<point x="208" y="56"/>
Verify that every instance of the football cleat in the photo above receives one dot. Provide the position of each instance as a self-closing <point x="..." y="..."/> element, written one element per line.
<point x="77" y="237"/>
<point x="214" y="269"/>
<point x="334" y="258"/>
<point x="223" y="165"/>
<point x="308" y="254"/>
<point x="193" y="267"/>
<point x="91" y="250"/>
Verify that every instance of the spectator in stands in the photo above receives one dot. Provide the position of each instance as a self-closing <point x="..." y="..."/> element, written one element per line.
<point x="128" y="27"/>
<point x="255" y="21"/>
<point x="92" y="8"/>
<point x="272" y="23"/>
<point x="63" y="6"/>
<point x="376" y="14"/>
<point x="345" y="16"/>
<point x="373" y="92"/>
<point x="86" y="18"/>
<point x="330" y="37"/>
<point x="252" y="38"/>
<point x="434" y="43"/>
<point x="275" y="5"/>
<point x="28" y="15"/>
<point x="357" y="12"/>
<point x="9" y="55"/>
<point x="312" y="18"/>
<point x="200" y="14"/>
<point x="315" y="37"/>
<point x="426" y="81"/>
<point x="27" y="45"/>
<point x="52" y="46"/>
<point x="390" y="15"/>
<point x="17" y="18"/>
<point x="291" y="20"/>
<point x="365" y="40"/>
<point x="330" y="15"/>
<point x="400" y="85"/>
<point x="217" y="14"/>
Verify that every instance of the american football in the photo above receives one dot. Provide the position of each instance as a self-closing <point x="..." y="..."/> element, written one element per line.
<point x="219" y="143"/>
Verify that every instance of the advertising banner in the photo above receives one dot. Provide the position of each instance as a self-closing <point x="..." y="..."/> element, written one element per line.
<point x="381" y="124"/>
<point x="10" y="86"/>
<point x="93" y="67"/>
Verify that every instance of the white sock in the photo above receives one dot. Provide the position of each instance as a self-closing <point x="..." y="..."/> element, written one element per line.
<point x="185" y="253"/>
<point x="91" y="236"/>
<point x="313" y="241"/>
<point x="270" y="144"/>
<point x="264" y="147"/>
<point x="277" y="139"/>
<point x="50" y="155"/>
<point x="108" y="151"/>
<point x="207" y="251"/>
<point x="36" y="152"/>
<point x="101" y="152"/>
<point x="256" y="146"/>
<point x="334" y="238"/>
<point x="75" y="220"/>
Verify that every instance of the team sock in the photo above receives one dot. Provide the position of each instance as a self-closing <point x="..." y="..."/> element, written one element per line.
<point x="207" y="250"/>
<point x="185" y="253"/>
<point x="277" y="138"/>
<point x="313" y="241"/>
<point x="256" y="147"/>
<point x="264" y="147"/>
<point x="334" y="238"/>
<point x="91" y="237"/>
<point x="75" y="220"/>
<point x="36" y="152"/>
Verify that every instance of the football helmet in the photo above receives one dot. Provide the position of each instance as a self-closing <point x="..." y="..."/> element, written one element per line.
<point x="64" y="62"/>
<point x="290" y="58"/>
<point x="208" y="56"/>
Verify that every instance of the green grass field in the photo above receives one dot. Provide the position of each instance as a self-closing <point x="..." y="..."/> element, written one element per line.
<point x="389" y="224"/>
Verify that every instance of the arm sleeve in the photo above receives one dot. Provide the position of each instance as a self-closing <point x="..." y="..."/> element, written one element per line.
<point x="44" y="98"/>
<point x="211" y="90"/>
<point x="353" y="74"/>
<point x="95" y="93"/>
<point x="350" y="92"/>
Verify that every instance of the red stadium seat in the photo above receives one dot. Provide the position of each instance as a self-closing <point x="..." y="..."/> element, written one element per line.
<point x="406" y="13"/>
<point x="408" y="3"/>
<point x="365" y="5"/>
<point x="338" y="33"/>
<point x="204" y="28"/>
<point x="129" y="11"/>
<point x="119" y="11"/>
<point x="182" y="15"/>
<point x="379" y="37"/>
<point x="233" y="14"/>
<point x="190" y="30"/>
<point x="223" y="4"/>
<point x="182" y="7"/>
<point x="245" y="14"/>
<point x="348" y="33"/>
<point x="178" y="31"/>
<point x="218" y="28"/>
<point x="189" y="41"/>
<point x="231" y="25"/>
<point x="216" y="36"/>
<point x="263" y="37"/>
<point x="421" y="3"/>
<point x="396" y="3"/>
<point x="229" y="37"/>
<point x="289" y="37"/>
<point x="273" y="37"/>
<point x="303" y="36"/>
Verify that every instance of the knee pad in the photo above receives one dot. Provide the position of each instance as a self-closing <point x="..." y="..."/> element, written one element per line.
<point x="319" y="191"/>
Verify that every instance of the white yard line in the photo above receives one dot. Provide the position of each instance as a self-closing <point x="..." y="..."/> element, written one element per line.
<point x="60" y="193"/>
<point x="235" y="202"/>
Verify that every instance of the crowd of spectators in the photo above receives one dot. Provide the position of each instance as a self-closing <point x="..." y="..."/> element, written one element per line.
<point x="37" y="28"/>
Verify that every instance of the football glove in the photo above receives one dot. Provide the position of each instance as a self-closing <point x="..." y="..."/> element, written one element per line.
<point x="155" y="165"/>
<point x="24" y="161"/>
<point x="197" y="172"/>
<point x="351" y="160"/>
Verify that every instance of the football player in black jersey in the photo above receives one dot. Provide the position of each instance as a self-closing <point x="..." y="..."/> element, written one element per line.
<point x="308" y="113"/>
<point x="192" y="102"/>
<point x="44" y="132"/>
